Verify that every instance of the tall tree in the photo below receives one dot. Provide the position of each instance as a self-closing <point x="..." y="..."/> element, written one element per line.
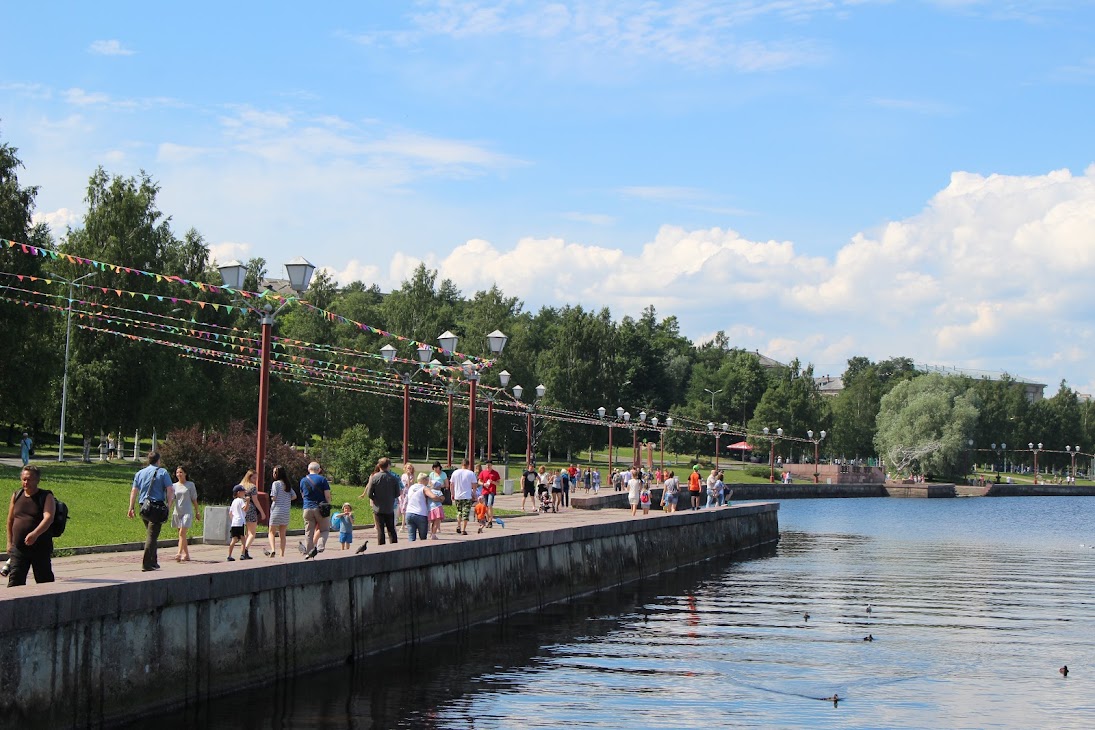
<point x="27" y="335"/>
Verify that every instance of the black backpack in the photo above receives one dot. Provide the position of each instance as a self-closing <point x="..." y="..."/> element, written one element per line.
<point x="60" y="511"/>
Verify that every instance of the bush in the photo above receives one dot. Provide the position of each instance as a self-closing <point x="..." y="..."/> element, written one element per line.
<point x="351" y="458"/>
<point x="759" y="472"/>
<point x="216" y="461"/>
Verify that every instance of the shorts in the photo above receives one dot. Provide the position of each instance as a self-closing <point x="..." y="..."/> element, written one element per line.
<point x="530" y="489"/>
<point x="345" y="537"/>
<point x="463" y="509"/>
<point x="632" y="500"/>
<point x="237" y="531"/>
<point x="488" y="499"/>
<point x="671" y="498"/>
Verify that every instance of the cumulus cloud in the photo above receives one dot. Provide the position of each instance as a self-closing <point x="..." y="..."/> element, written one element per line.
<point x="109" y="48"/>
<point x="226" y="251"/>
<point x="993" y="274"/>
<point x="58" y="220"/>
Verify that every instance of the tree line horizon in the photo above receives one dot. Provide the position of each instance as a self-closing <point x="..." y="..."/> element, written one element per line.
<point x="584" y="357"/>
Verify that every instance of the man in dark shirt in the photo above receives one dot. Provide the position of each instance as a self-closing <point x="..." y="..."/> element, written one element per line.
<point x="30" y="544"/>
<point x="383" y="490"/>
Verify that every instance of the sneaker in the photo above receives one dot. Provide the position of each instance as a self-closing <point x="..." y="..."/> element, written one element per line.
<point x="231" y="559"/>
<point x="311" y="554"/>
<point x="245" y="556"/>
<point x="434" y="536"/>
<point x="480" y="531"/>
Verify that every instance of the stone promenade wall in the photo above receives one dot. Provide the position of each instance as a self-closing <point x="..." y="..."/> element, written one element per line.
<point x="85" y="656"/>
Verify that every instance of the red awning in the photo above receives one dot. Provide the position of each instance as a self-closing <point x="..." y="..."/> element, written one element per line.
<point x="739" y="446"/>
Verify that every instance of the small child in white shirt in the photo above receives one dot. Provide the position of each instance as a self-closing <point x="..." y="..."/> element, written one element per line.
<point x="238" y="515"/>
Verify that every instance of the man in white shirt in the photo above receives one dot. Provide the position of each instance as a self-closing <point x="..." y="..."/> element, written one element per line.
<point x="463" y="482"/>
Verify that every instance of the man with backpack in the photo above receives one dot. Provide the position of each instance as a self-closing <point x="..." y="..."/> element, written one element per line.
<point x="30" y="540"/>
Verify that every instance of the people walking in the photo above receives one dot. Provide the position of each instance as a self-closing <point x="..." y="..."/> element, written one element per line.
<point x="281" y="497"/>
<point x="255" y="512"/>
<point x="671" y="492"/>
<point x="315" y="493"/>
<point x="184" y="503"/>
<point x="694" y="486"/>
<point x="150" y="487"/>
<point x="26" y="448"/>
<point x="418" y="508"/>
<point x="463" y="483"/>
<point x="634" y="490"/>
<point x="438" y="483"/>
<point x="383" y="492"/>
<point x="30" y="543"/>
<point x="488" y="480"/>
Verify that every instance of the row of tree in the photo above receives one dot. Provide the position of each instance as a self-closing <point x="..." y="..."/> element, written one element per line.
<point x="585" y="358"/>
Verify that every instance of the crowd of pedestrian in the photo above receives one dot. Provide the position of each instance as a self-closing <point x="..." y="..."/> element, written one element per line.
<point x="417" y="499"/>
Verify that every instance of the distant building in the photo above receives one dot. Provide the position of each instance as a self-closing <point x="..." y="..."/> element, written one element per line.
<point x="830" y="386"/>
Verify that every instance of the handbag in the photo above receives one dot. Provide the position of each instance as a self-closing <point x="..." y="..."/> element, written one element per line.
<point x="154" y="510"/>
<point x="324" y="509"/>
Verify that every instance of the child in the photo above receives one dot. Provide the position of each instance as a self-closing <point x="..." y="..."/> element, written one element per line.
<point x="346" y="526"/>
<point x="644" y="499"/>
<point x="238" y="514"/>
<point x="481" y="513"/>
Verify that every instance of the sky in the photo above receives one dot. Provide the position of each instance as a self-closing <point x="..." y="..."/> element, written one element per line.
<point x="819" y="179"/>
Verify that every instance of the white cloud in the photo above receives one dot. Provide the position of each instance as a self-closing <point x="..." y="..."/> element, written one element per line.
<point x="58" y="220"/>
<point x="995" y="274"/>
<point x="226" y="251"/>
<point x="109" y="48"/>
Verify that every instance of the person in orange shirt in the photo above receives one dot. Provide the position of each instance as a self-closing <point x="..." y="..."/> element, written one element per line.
<point x="481" y="513"/>
<point x="694" y="486"/>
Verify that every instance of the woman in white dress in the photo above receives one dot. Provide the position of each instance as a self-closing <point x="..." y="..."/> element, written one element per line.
<point x="184" y="498"/>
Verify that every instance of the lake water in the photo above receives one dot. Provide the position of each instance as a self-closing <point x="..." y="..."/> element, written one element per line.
<point x="975" y="604"/>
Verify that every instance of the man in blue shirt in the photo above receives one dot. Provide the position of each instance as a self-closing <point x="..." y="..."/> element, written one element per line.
<point x="315" y="490"/>
<point x="150" y="483"/>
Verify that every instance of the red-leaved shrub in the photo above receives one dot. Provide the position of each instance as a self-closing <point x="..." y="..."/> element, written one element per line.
<point x="216" y="461"/>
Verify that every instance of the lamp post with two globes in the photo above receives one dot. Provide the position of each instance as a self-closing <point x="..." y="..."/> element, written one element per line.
<point x="300" y="275"/>
<point x="772" y="453"/>
<point x="388" y="352"/>
<point x="818" y="440"/>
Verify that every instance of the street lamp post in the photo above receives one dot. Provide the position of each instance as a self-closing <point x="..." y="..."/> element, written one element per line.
<point x="388" y="353"/>
<point x="1035" y="450"/>
<point x="300" y="274"/>
<point x="1072" y="452"/>
<point x="718" y="433"/>
<point x="529" y="409"/>
<point x="772" y="453"/>
<point x="636" y="455"/>
<point x="713" y="394"/>
<point x="503" y="378"/>
<point x="64" y="381"/>
<point x="496" y="341"/>
<point x="999" y="457"/>
<point x="661" y="438"/>
<point x="818" y="440"/>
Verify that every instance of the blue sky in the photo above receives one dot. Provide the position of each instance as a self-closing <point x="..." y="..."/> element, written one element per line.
<point x="818" y="178"/>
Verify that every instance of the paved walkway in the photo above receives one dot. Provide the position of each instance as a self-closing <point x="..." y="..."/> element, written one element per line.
<point x="125" y="567"/>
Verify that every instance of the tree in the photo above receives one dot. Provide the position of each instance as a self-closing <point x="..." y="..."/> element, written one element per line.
<point x="931" y="410"/>
<point x="26" y="338"/>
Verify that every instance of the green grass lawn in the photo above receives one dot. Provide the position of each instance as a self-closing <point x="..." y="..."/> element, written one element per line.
<point x="97" y="495"/>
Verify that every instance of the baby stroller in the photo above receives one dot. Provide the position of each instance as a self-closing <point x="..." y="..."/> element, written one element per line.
<point x="545" y="501"/>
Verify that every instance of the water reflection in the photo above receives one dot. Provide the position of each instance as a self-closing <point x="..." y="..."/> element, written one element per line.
<point x="971" y="617"/>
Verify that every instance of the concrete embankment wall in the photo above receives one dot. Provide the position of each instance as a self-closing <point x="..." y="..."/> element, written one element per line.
<point x="84" y="656"/>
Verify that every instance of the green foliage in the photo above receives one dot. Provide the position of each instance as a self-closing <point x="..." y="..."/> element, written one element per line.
<point x="932" y="416"/>
<point x="351" y="458"/>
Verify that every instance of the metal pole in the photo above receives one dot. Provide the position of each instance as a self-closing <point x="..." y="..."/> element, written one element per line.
<point x="717" y="434"/>
<point x="264" y="398"/>
<point x="610" y="450"/>
<point x="406" y="419"/>
<point x="490" y="428"/>
<point x="450" y="429"/>
<point x="772" y="463"/>
<point x="471" y="418"/>
<point x="528" y="436"/>
<point x="816" y="475"/>
<point x="635" y="461"/>
<point x="64" y="382"/>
